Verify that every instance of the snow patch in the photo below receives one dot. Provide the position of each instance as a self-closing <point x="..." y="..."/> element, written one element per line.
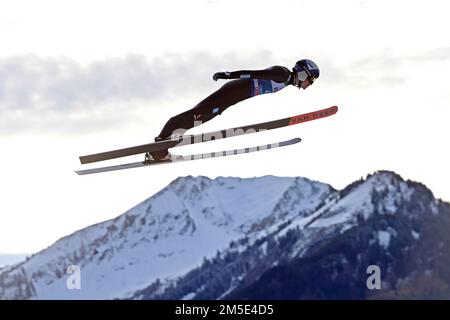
<point x="189" y="296"/>
<point x="384" y="238"/>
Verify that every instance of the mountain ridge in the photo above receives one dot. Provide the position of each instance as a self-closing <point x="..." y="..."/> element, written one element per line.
<point x="377" y="232"/>
<point x="153" y="248"/>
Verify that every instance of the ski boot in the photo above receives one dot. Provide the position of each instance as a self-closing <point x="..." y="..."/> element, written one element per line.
<point x="149" y="158"/>
<point x="158" y="156"/>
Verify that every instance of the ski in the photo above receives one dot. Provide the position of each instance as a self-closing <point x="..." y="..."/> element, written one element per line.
<point x="203" y="137"/>
<point x="180" y="158"/>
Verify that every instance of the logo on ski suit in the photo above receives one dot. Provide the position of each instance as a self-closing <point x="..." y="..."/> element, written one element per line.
<point x="260" y="86"/>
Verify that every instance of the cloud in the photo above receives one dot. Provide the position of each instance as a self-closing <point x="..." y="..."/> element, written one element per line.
<point x="34" y="82"/>
<point x="38" y="93"/>
<point x="61" y="95"/>
<point x="439" y="55"/>
<point x="387" y="67"/>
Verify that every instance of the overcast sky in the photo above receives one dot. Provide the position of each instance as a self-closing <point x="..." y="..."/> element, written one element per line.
<point x="78" y="77"/>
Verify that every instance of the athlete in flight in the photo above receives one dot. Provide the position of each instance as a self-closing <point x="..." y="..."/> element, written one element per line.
<point x="247" y="84"/>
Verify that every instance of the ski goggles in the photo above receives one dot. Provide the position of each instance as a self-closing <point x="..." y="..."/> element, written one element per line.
<point x="306" y="74"/>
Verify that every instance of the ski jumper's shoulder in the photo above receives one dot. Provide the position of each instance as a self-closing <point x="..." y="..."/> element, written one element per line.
<point x="278" y="74"/>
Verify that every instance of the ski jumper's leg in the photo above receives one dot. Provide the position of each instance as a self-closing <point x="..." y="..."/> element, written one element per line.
<point x="229" y="94"/>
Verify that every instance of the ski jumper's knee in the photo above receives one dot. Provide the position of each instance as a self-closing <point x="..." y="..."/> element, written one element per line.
<point x="177" y="124"/>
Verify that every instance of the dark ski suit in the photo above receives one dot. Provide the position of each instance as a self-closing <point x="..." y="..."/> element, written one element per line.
<point x="247" y="84"/>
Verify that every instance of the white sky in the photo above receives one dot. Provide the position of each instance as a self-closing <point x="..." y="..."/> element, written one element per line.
<point x="78" y="77"/>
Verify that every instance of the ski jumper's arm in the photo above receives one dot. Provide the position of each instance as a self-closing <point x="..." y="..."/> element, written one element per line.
<point x="275" y="73"/>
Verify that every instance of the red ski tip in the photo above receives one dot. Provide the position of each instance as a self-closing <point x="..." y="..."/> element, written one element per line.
<point x="313" y="115"/>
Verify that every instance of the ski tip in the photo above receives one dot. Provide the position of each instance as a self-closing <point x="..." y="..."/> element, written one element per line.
<point x="334" y="109"/>
<point x="289" y="142"/>
<point x="82" y="172"/>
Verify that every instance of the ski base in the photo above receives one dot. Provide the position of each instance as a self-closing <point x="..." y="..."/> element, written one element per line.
<point x="180" y="158"/>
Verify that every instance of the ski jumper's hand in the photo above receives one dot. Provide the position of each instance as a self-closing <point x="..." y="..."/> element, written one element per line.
<point x="221" y="75"/>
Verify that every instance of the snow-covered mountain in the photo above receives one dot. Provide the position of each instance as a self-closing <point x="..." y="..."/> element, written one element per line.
<point x="385" y="221"/>
<point x="163" y="237"/>
<point x="266" y="237"/>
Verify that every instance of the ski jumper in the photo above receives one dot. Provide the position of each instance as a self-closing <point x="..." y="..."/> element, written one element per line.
<point x="247" y="84"/>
